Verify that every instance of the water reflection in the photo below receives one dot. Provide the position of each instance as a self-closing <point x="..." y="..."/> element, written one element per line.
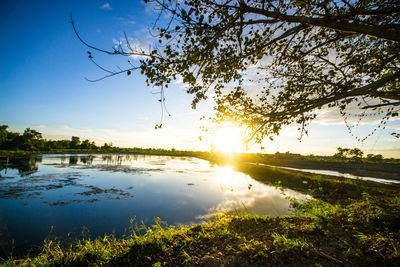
<point x="102" y="192"/>
<point x="24" y="165"/>
<point x="338" y="174"/>
<point x="75" y="173"/>
<point x="242" y="192"/>
<point x="87" y="160"/>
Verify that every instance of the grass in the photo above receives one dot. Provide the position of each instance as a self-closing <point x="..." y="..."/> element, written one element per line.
<point x="347" y="222"/>
<point x="319" y="234"/>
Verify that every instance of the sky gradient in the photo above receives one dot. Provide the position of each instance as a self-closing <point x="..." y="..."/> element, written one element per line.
<point x="42" y="85"/>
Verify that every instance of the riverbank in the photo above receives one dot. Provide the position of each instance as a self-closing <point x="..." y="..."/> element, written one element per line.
<point x="386" y="170"/>
<point x="383" y="170"/>
<point x="348" y="222"/>
<point x="128" y="151"/>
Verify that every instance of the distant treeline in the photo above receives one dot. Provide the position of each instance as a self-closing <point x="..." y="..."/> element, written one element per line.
<point x="344" y="155"/>
<point x="32" y="141"/>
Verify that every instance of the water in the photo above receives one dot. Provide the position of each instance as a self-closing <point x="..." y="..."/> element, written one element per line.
<point x="339" y="174"/>
<point x="75" y="196"/>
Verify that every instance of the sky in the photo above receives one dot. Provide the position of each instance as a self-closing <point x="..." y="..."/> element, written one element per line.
<point x="43" y="86"/>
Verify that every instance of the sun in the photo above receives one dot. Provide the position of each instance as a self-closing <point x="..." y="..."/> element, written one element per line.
<point x="227" y="138"/>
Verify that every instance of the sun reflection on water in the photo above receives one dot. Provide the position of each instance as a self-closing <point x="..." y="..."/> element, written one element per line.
<point x="244" y="193"/>
<point x="228" y="179"/>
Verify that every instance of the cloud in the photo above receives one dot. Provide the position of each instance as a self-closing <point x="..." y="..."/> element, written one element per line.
<point x="142" y="118"/>
<point x="68" y="128"/>
<point x="329" y="116"/>
<point x="142" y="43"/>
<point x="151" y="8"/>
<point x="106" y="6"/>
<point x="40" y="126"/>
<point x="395" y="127"/>
<point x="126" y="20"/>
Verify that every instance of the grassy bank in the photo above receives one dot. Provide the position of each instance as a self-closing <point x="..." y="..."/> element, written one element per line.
<point x="347" y="223"/>
<point x="385" y="169"/>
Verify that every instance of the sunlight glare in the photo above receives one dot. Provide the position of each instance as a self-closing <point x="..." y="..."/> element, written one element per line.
<point x="228" y="139"/>
<point x="228" y="179"/>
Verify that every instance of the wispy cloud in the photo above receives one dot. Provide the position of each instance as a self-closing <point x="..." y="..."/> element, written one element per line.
<point x="395" y="127"/>
<point x="68" y="128"/>
<point x="40" y="126"/>
<point x="142" y="43"/>
<point x="106" y="6"/>
<point x="126" y="20"/>
<point x="354" y="115"/>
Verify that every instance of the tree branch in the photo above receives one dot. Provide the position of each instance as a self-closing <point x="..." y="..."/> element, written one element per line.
<point x="331" y="23"/>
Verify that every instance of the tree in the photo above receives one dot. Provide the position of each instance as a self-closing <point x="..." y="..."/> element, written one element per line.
<point x="107" y="146"/>
<point x="31" y="140"/>
<point x="86" y="144"/>
<point x="274" y="63"/>
<point x="375" y="158"/>
<point x="342" y="153"/>
<point x="75" y="142"/>
<point x="355" y="154"/>
<point x="3" y="134"/>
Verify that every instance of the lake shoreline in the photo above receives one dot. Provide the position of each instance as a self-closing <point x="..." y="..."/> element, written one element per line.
<point x="382" y="170"/>
<point x="347" y="222"/>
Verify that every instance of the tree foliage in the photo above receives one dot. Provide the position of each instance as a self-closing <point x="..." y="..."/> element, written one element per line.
<point x="345" y="153"/>
<point x="75" y="142"/>
<point x="274" y="63"/>
<point x="32" y="140"/>
<point x="356" y="155"/>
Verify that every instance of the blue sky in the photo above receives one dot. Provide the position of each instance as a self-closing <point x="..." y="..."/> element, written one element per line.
<point x="42" y="85"/>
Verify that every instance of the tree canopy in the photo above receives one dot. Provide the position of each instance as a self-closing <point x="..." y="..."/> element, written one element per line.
<point x="32" y="140"/>
<point x="273" y="63"/>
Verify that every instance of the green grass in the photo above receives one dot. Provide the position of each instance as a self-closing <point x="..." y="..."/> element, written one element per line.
<point x="347" y="222"/>
<point x="320" y="233"/>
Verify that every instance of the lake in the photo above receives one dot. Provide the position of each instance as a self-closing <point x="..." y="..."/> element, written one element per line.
<point x="75" y="196"/>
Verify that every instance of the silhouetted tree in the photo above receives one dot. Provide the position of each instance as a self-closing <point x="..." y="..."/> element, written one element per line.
<point x="31" y="140"/>
<point x="86" y="144"/>
<point x="342" y="153"/>
<point x="75" y="142"/>
<point x="3" y="134"/>
<point x="375" y="158"/>
<point x="274" y="63"/>
<point x="356" y="154"/>
<point x="107" y="146"/>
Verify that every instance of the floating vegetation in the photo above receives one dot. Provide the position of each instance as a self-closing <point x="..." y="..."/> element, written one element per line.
<point x="118" y="168"/>
<point x="32" y="186"/>
<point x="94" y="190"/>
<point x="64" y="203"/>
